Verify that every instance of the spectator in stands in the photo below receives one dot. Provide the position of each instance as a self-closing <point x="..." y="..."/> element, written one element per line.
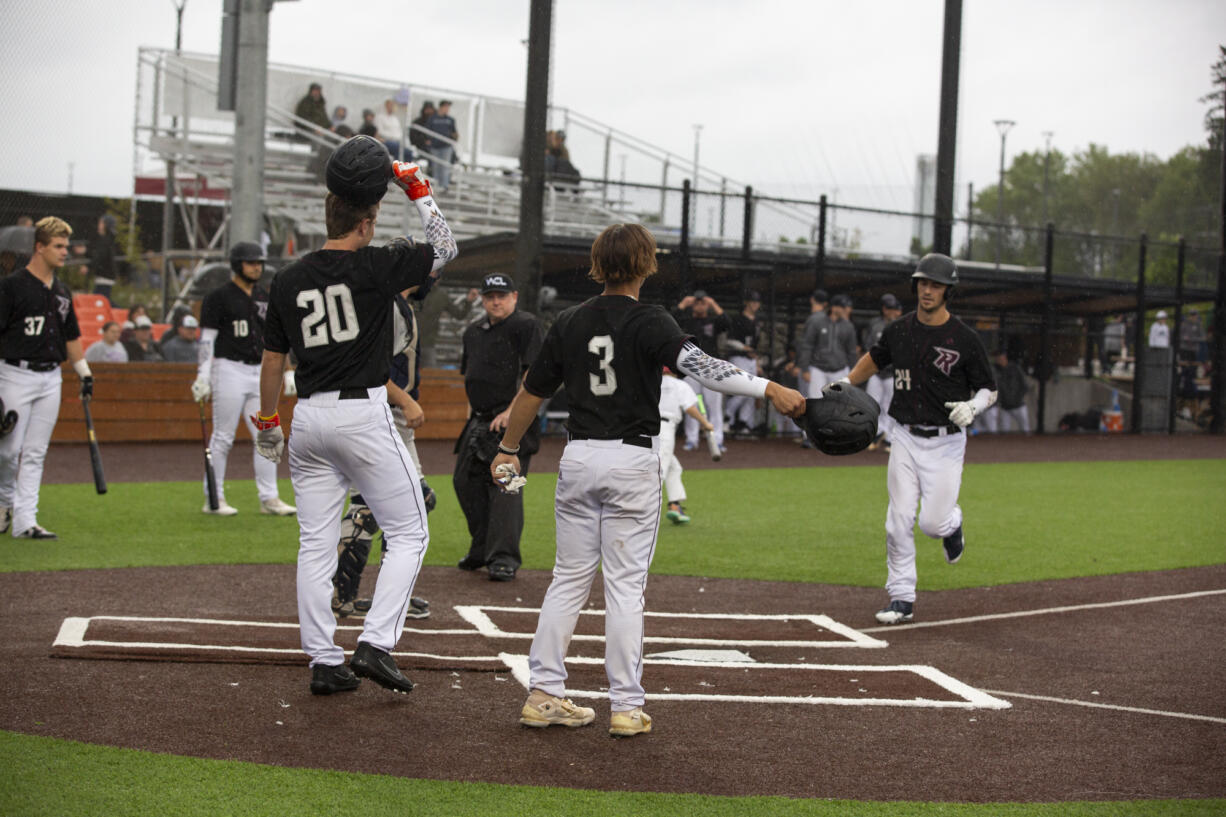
<point x="557" y="158"/>
<point x="109" y="349"/>
<point x="1160" y="333"/>
<point x="419" y="139"/>
<point x="142" y="349"/>
<point x="339" y="114"/>
<point x="102" y="252"/>
<point x="182" y="346"/>
<point x="176" y="320"/>
<point x="1112" y="345"/>
<point x="388" y="129"/>
<point x="429" y="313"/>
<point x="25" y="221"/>
<point x="442" y="150"/>
<point x="1192" y="345"/>
<point x="313" y="109"/>
<point x="134" y="312"/>
<point x="368" y="127"/>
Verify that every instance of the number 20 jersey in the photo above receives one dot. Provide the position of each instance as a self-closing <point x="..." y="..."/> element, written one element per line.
<point x="607" y="353"/>
<point x="333" y="310"/>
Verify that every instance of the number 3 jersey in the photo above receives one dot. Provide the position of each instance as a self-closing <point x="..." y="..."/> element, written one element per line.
<point x="239" y="321"/>
<point x="333" y="310"/>
<point x="607" y="353"/>
<point x="933" y="365"/>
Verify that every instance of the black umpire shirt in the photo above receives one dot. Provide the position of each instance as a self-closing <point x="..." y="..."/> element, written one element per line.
<point x="495" y="357"/>
<point x="933" y="365"/>
<point x="36" y="321"/>
<point x="239" y="321"/>
<point x="608" y="352"/>
<point x="333" y="309"/>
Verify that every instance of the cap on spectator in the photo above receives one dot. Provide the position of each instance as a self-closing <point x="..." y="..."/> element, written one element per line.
<point x="497" y="282"/>
<point x="699" y="294"/>
<point x="841" y="300"/>
<point x="888" y="301"/>
<point x="129" y="325"/>
<point x="753" y="295"/>
<point x="821" y="296"/>
<point x="1161" y="314"/>
<point x="367" y="112"/>
<point x="143" y="322"/>
<point x="190" y="322"/>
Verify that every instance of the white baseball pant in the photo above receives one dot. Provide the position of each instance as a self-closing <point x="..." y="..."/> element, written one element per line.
<point x="997" y="419"/>
<point x="670" y="466"/>
<point x="739" y="406"/>
<point x="818" y="378"/>
<point x="881" y="389"/>
<point x="607" y="510"/>
<point x="333" y="444"/>
<point x="713" y="401"/>
<point x="35" y="396"/>
<point x="236" y="397"/>
<point x="923" y="471"/>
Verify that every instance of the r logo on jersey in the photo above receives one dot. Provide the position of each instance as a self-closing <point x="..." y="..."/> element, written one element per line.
<point x="261" y="307"/>
<point x="63" y="304"/>
<point x="946" y="359"/>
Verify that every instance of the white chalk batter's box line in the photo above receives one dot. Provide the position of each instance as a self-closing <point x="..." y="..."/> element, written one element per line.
<point x="477" y="616"/>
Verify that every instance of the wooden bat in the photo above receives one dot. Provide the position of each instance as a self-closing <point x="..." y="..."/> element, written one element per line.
<point x="95" y="453"/>
<point x="210" y="476"/>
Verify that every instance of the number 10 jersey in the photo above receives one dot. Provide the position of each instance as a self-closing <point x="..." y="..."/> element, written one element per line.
<point x="238" y="319"/>
<point x="607" y="353"/>
<point x="333" y="310"/>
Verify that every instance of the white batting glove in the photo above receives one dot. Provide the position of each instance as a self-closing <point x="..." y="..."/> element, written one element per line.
<point x="963" y="414"/>
<point x="509" y="478"/>
<point x="269" y="438"/>
<point x="201" y="390"/>
<point x="291" y="387"/>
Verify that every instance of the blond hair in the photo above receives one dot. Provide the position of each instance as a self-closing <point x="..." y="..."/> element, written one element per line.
<point x="622" y="253"/>
<point x="49" y="228"/>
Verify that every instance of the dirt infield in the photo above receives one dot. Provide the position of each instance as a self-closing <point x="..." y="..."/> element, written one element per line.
<point x="1116" y="685"/>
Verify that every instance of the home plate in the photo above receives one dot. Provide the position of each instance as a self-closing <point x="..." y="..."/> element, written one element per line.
<point x="705" y="656"/>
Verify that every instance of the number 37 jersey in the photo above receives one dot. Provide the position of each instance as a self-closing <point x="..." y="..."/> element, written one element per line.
<point x="607" y="353"/>
<point x="333" y="310"/>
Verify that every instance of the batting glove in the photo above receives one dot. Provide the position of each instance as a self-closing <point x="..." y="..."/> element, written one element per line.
<point x="201" y="390"/>
<point x="269" y="438"/>
<point x="509" y="479"/>
<point x="409" y="178"/>
<point x="963" y="414"/>
<point x="87" y="387"/>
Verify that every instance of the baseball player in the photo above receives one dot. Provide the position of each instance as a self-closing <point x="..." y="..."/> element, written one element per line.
<point x="703" y="319"/>
<point x="880" y="386"/>
<point x="677" y="399"/>
<point x="742" y="341"/>
<point x="38" y="331"/>
<point x="942" y="380"/>
<point x="228" y="370"/>
<point x="608" y="353"/>
<point x="333" y="309"/>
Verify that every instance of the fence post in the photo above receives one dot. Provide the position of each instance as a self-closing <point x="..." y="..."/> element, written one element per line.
<point x="747" y="227"/>
<point x="1138" y="336"/>
<point x="687" y="283"/>
<point x="819" y="260"/>
<point x="1046" y="364"/>
<point x="1177" y="336"/>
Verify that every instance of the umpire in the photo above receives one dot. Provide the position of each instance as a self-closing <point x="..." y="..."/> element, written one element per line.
<point x="497" y="351"/>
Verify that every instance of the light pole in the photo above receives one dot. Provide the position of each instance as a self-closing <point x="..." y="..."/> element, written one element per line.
<point x="694" y="185"/>
<point x="1003" y="126"/>
<point x="1046" y="166"/>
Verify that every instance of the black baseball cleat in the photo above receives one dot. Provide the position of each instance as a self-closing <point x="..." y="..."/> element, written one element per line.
<point x="377" y="665"/>
<point x="428" y="495"/>
<point x="954" y="545"/>
<point x="896" y="612"/>
<point x="326" y="679"/>
<point x="501" y="573"/>
<point x="418" y="608"/>
<point x="470" y="562"/>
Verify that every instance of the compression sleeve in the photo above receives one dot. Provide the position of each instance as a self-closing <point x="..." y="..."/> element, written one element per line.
<point x="438" y="234"/>
<point x="718" y="374"/>
<point x="204" y="353"/>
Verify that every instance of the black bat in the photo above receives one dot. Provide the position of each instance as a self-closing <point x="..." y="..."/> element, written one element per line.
<point x="209" y="476"/>
<point x="95" y="453"/>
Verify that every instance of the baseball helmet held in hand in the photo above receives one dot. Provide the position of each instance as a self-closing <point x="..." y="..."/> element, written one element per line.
<point x="359" y="171"/>
<point x="842" y="421"/>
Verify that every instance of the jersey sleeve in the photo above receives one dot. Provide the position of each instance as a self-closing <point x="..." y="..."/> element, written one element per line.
<point x="72" y="329"/>
<point x="979" y="371"/>
<point x="545" y="374"/>
<point x="660" y="337"/>
<point x="275" y="339"/>
<point x="401" y="264"/>
<point x="880" y="353"/>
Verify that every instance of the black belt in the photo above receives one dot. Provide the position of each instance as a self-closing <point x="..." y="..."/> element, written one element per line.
<point x="354" y="394"/>
<point x="641" y="442"/>
<point x="33" y="365"/>
<point x="934" y="432"/>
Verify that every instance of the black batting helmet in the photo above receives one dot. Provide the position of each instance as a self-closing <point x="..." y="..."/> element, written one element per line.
<point x="245" y="251"/>
<point x="842" y="421"/>
<point x="936" y="267"/>
<point x="359" y="170"/>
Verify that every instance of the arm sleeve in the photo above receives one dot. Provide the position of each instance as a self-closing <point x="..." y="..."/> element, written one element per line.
<point x="718" y="374"/>
<point x="204" y="353"/>
<point x="437" y="232"/>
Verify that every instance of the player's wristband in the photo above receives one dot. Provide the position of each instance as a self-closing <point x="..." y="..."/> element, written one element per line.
<point x="502" y="449"/>
<point x="263" y="423"/>
<point x="81" y="367"/>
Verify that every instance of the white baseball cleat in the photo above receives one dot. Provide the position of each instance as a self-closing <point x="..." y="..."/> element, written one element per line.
<point x="222" y="510"/>
<point x="276" y="507"/>
<point x="542" y="709"/>
<point x="628" y="724"/>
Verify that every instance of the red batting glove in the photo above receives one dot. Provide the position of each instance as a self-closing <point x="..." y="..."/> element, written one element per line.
<point x="411" y="180"/>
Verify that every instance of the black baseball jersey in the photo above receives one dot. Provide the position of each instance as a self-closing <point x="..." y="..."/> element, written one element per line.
<point x="745" y="330"/>
<point x="608" y="352"/>
<point x="333" y="309"/>
<point x="495" y="357"/>
<point x="36" y="321"/>
<point x="705" y="330"/>
<point x="239" y="321"/>
<point x="933" y="365"/>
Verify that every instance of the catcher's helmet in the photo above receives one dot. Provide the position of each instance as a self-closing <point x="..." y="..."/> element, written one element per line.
<point x="359" y="170"/>
<point x="936" y="267"/>
<point x="245" y="251"/>
<point x="842" y="421"/>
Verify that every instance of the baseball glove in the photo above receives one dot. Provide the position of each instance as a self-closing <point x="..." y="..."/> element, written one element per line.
<point x="842" y="421"/>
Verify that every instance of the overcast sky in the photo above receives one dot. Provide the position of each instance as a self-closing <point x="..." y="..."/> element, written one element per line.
<point x="799" y="97"/>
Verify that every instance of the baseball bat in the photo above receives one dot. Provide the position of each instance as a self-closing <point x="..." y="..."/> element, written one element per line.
<point x="713" y="447"/>
<point x="95" y="453"/>
<point x="210" y="477"/>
